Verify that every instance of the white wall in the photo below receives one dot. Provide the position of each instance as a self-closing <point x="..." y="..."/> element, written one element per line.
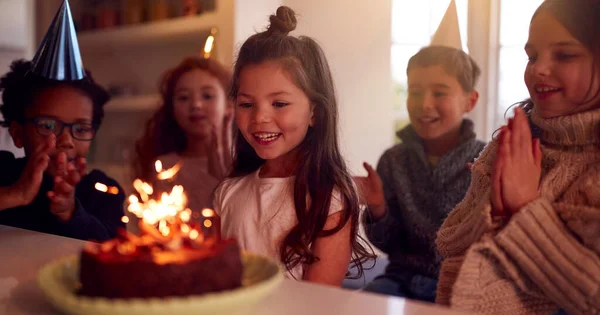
<point x="12" y="23"/>
<point x="252" y="17"/>
<point x="16" y="31"/>
<point x="247" y="17"/>
<point x="356" y="38"/>
<point x="16" y="41"/>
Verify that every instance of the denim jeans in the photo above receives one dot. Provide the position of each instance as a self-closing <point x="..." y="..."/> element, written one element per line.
<point x="417" y="288"/>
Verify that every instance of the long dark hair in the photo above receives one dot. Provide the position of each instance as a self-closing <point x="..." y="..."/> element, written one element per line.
<point x="579" y="17"/>
<point x="322" y="168"/>
<point x="162" y="134"/>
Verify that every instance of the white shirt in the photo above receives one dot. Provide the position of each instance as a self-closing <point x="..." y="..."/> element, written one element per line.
<point x="259" y="213"/>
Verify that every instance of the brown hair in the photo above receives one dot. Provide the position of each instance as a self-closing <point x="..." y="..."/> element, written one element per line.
<point x="454" y="61"/>
<point x="162" y="134"/>
<point x="580" y="18"/>
<point x="322" y="168"/>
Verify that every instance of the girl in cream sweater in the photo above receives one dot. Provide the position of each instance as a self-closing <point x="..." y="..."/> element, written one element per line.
<point x="526" y="238"/>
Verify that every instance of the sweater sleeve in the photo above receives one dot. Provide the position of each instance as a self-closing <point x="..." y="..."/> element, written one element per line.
<point x="471" y="218"/>
<point x="466" y="224"/>
<point x="384" y="232"/>
<point x="564" y="265"/>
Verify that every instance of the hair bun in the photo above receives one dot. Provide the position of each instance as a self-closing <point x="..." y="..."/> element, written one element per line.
<point x="283" y="22"/>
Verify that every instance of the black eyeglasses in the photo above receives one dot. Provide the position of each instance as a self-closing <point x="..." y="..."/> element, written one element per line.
<point x="46" y="126"/>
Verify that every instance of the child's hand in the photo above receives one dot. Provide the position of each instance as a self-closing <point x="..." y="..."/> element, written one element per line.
<point x="28" y="185"/>
<point x="62" y="198"/>
<point x="370" y="191"/>
<point x="519" y="165"/>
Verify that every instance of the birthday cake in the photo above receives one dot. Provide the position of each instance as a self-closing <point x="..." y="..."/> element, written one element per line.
<point x="125" y="268"/>
<point x="175" y="254"/>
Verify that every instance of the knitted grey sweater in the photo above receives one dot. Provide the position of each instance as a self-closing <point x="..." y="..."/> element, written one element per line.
<point x="418" y="199"/>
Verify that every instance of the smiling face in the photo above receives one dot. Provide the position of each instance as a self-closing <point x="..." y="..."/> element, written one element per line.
<point x="436" y="102"/>
<point x="560" y="74"/>
<point x="63" y="103"/>
<point x="199" y="103"/>
<point x="272" y="113"/>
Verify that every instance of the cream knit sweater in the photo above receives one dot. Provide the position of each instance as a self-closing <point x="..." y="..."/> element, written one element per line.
<point x="547" y="256"/>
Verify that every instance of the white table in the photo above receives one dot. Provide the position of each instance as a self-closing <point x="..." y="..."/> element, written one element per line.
<point x="23" y="252"/>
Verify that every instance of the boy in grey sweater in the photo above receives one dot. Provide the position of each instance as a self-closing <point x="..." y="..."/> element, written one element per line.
<point x="419" y="181"/>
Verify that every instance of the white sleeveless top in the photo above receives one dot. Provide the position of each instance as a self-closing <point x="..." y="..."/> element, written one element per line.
<point x="259" y="213"/>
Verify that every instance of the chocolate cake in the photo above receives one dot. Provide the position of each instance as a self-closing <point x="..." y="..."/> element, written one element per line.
<point x="173" y="256"/>
<point x="134" y="267"/>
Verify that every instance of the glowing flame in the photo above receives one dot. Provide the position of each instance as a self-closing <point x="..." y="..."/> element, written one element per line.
<point x="101" y="187"/>
<point x="165" y="214"/>
<point x="169" y="206"/>
<point x="125" y="248"/>
<point x="210" y="43"/>
<point x="208" y="213"/>
<point x="170" y="173"/>
<point x="185" y="228"/>
<point x="106" y="189"/>
<point x="185" y="215"/>
<point x="144" y="189"/>
<point x="163" y="228"/>
<point x="147" y="188"/>
<point x="125" y="219"/>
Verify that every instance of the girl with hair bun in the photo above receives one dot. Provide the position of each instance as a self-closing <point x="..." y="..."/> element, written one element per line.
<point x="289" y="195"/>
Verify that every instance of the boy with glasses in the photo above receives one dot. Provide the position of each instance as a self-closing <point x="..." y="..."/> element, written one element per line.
<point x="53" y="109"/>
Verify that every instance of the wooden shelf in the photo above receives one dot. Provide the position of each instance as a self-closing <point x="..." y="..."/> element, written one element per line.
<point x="152" y="33"/>
<point x="141" y="102"/>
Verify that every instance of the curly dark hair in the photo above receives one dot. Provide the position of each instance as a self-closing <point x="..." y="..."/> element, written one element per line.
<point x="20" y="87"/>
